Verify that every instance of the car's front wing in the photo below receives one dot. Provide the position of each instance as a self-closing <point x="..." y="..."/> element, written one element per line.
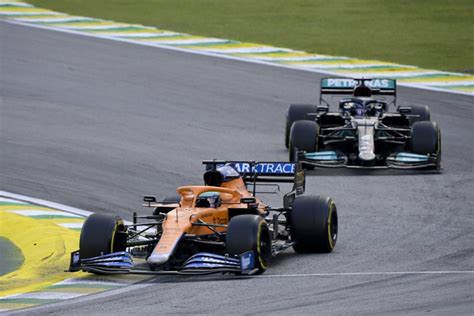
<point x="200" y="263"/>
<point x="401" y="160"/>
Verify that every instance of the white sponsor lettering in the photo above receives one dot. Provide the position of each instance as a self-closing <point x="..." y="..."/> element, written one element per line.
<point x="341" y="83"/>
<point x="266" y="168"/>
<point x="350" y="83"/>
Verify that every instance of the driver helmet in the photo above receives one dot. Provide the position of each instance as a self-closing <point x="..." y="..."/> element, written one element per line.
<point x="209" y="199"/>
<point x="357" y="109"/>
<point x="362" y="91"/>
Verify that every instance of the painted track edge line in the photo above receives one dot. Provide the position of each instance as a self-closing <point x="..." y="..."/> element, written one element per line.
<point x="49" y="204"/>
<point x="365" y="274"/>
<point x="210" y="54"/>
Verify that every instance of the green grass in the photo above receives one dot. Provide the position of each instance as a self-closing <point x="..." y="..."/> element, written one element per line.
<point x="436" y="34"/>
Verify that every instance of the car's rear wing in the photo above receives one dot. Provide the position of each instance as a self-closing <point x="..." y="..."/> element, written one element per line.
<point x="379" y="86"/>
<point x="265" y="171"/>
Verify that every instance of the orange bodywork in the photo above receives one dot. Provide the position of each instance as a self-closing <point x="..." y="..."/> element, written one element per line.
<point x="180" y="220"/>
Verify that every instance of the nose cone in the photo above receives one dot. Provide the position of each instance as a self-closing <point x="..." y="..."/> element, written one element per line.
<point x="367" y="155"/>
<point x="158" y="258"/>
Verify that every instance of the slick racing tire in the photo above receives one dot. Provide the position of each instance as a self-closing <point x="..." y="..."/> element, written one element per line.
<point x="296" y="112"/>
<point x="102" y="234"/>
<point x="314" y="224"/>
<point x="422" y="113"/>
<point x="250" y="233"/>
<point x="425" y="138"/>
<point x="303" y="137"/>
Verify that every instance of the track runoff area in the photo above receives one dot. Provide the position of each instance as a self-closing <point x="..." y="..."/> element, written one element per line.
<point x="44" y="234"/>
<point x="406" y="75"/>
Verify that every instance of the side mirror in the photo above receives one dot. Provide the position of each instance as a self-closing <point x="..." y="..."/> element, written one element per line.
<point x="248" y="200"/>
<point x="404" y="109"/>
<point x="323" y="108"/>
<point x="149" y="199"/>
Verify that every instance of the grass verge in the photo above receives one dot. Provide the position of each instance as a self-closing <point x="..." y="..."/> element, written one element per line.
<point x="436" y="34"/>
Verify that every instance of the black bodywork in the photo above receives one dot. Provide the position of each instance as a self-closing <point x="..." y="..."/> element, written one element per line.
<point x="363" y="132"/>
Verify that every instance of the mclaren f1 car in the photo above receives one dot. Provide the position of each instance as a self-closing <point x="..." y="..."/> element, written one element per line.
<point x="362" y="132"/>
<point x="219" y="227"/>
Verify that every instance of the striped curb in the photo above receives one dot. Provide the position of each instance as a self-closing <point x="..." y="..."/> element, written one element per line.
<point x="407" y="75"/>
<point x="46" y="236"/>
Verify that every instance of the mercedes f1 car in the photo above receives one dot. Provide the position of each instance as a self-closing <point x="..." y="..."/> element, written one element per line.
<point x="362" y="133"/>
<point x="218" y="227"/>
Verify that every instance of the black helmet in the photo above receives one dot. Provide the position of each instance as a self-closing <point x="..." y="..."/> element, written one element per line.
<point x="362" y="91"/>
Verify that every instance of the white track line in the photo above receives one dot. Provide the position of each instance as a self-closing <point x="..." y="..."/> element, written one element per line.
<point x="88" y="281"/>
<point x="41" y="202"/>
<point x="71" y="225"/>
<point x="211" y="54"/>
<point x="363" y="274"/>
<point x="33" y="213"/>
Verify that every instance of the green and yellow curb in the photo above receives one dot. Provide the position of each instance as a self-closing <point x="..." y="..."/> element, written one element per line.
<point x="406" y="75"/>
<point x="45" y="236"/>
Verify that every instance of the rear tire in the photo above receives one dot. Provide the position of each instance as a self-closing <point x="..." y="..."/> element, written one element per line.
<point x="425" y="138"/>
<point x="422" y="111"/>
<point x="250" y="233"/>
<point x="296" y="112"/>
<point x="102" y="234"/>
<point x="314" y="224"/>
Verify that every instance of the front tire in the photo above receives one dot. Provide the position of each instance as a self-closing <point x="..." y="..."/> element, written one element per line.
<point x="250" y="233"/>
<point x="296" y="112"/>
<point x="425" y="138"/>
<point x="314" y="224"/>
<point x="102" y="234"/>
<point x="303" y="137"/>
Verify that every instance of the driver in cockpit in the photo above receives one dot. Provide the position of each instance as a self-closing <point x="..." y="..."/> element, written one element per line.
<point x="362" y="104"/>
<point x="209" y="199"/>
<point x="353" y="107"/>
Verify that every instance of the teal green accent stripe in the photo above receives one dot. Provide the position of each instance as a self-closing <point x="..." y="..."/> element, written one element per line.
<point x="433" y="76"/>
<point x="52" y="23"/>
<point x="302" y="61"/>
<point x="78" y="21"/>
<point x="15" y="204"/>
<point x="454" y="87"/>
<point x="82" y="286"/>
<point x="170" y="37"/>
<point x="202" y="44"/>
<point x="260" y="53"/>
<point x="35" y="301"/>
<point x="118" y="28"/>
<point x="364" y="68"/>
<point x="276" y="51"/>
<point x="11" y="5"/>
<point x="51" y="216"/>
<point x="152" y="38"/>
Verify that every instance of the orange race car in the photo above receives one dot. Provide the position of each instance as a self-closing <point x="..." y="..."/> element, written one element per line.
<point x="219" y="227"/>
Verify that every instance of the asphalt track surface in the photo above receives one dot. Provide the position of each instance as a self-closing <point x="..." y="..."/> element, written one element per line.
<point x="96" y="124"/>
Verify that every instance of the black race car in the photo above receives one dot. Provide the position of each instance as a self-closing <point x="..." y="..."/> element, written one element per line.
<point x="362" y="132"/>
